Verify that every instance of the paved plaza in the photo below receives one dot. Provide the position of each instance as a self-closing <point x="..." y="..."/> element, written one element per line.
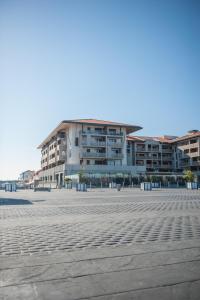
<point x="101" y="244"/>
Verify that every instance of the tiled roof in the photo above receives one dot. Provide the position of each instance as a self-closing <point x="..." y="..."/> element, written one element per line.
<point x="101" y="122"/>
<point x="187" y="136"/>
<point x="162" y="139"/>
<point x="135" y="138"/>
<point x="165" y="138"/>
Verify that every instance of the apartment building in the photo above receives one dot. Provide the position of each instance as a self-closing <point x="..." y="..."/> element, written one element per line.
<point x="27" y="176"/>
<point x="94" y="147"/>
<point x="166" y="155"/>
<point x="154" y="153"/>
<point x="187" y="152"/>
<point x="99" y="148"/>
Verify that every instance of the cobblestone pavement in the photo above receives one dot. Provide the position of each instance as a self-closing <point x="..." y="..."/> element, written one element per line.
<point x="102" y="244"/>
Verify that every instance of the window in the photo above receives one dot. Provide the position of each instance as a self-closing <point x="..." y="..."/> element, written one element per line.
<point x="76" y="141"/>
<point x="193" y="141"/>
<point x="116" y="150"/>
<point x="100" y="150"/>
<point x="112" y="131"/>
<point x="88" y="150"/>
<point x="193" y="150"/>
<point x="139" y="162"/>
<point x="88" y="162"/>
<point x="112" y="140"/>
<point x="97" y="129"/>
<point x="99" y="162"/>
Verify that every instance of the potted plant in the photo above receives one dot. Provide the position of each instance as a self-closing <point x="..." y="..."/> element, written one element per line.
<point x="68" y="183"/>
<point x="190" y="179"/>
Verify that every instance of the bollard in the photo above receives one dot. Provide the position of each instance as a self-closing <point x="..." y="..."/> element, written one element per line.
<point x="192" y="185"/>
<point x="118" y="187"/>
<point x="146" y="186"/>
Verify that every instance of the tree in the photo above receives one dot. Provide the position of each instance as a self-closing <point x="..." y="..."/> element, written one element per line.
<point x="188" y="176"/>
<point x="67" y="180"/>
<point x="81" y="176"/>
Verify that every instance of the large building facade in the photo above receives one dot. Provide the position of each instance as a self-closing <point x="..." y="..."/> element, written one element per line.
<point x="187" y="152"/>
<point x="155" y="153"/>
<point x="99" y="148"/>
<point x="93" y="147"/>
<point x="26" y="176"/>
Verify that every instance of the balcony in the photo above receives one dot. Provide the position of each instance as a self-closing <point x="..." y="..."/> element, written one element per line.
<point x="52" y="161"/>
<point x="93" y="144"/>
<point x="115" y="155"/>
<point x="190" y="164"/>
<point x="154" y="150"/>
<point x="166" y="166"/>
<point x="167" y="150"/>
<point x="167" y="159"/>
<point x="101" y="132"/>
<point x="93" y="155"/>
<point x="61" y="157"/>
<point x="140" y="149"/>
<point x="44" y="164"/>
<point x="115" y="145"/>
<point x="193" y="154"/>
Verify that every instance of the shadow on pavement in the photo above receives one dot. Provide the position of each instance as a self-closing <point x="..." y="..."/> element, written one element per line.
<point x="11" y="201"/>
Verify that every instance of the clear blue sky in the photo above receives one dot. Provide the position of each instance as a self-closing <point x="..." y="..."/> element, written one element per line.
<point x="131" y="61"/>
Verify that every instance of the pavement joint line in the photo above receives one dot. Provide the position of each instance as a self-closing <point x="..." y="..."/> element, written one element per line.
<point x="137" y="289"/>
<point x="96" y="258"/>
<point x="98" y="273"/>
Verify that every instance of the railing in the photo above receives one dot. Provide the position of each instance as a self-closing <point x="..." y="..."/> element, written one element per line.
<point x="166" y="150"/>
<point x="165" y="166"/>
<point x="154" y="150"/>
<point x="71" y="168"/>
<point x="102" y="155"/>
<point x="115" y="155"/>
<point x="52" y="161"/>
<point x="101" y="144"/>
<point x="120" y="145"/>
<point x="61" y="157"/>
<point x="115" y="133"/>
<point x="140" y="150"/>
<point x="102" y="132"/>
<point x="190" y="164"/>
<point x="93" y="154"/>
<point x="94" y="144"/>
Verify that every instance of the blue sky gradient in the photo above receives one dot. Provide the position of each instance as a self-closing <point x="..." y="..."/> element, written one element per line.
<point x="133" y="61"/>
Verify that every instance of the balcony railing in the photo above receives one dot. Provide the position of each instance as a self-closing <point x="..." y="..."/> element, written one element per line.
<point x="101" y="132"/>
<point x="116" y="145"/>
<point x="101" y="155"/>
<point x="94" y="144"/>
<point x="190" y="164"/>
<point x="93" y="154"/>
<point x="140" y="149"/>
<point x="101" y="144"/>
<point x="61" y="157"/>
<point x="115" y="155"/>
<point x="166" y="150"/>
